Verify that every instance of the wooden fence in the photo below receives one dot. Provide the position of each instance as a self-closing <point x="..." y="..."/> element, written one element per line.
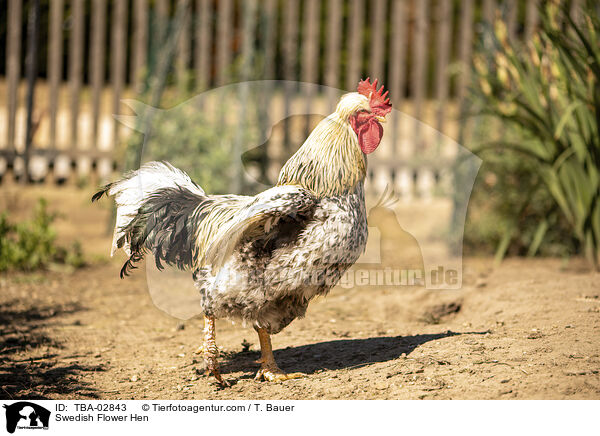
<point x="57" y="117"/>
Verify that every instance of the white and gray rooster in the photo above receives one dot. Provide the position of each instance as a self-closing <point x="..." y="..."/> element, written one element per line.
<point x="260" y="259"/>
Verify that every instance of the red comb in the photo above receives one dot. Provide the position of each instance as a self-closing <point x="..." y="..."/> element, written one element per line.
<point x="379" y="102"/>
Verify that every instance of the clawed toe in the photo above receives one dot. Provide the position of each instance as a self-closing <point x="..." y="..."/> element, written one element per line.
<point x="217" y="374"/>
<point x="212" y="367"/>
<point x="276" y="375"/>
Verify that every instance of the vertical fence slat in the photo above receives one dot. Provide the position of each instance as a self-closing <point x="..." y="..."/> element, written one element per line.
<point x="33" y="171"/>
<point x="377" y="45"/>
<point x="397" y="54"/>
<point x="184" y="48"/>
<point x="397" y="65"/>
<point x="224" y="30"/>
<point x="511" y="19"/>
<point x="465" y="49"/>
<point x="355" y="48"/>
<point x="118" y="51"/>
<point x="97" y="63"/>
<point x="55" y="54"/>
<point x="248" y="9"/>
<point x="489" y="11"/>
<point x="269" y="38"/>
<point x="268" y="34"/>
<point x="290" y="43"/>
<point x="310" y="52"/>
<point x="290" y="48"/>
<point x="140" y="43"/>
<point x="62" y="163"/>
<point x="310" y="48"/>
<point x="419" y="70"/>
<point x="332" y="70"/>
<point x="531" y="18"/>
<point x="76" y="68"/>
<point x="203" y="33"/>
<point x="248" y="34"/>
<point x="161" y="14"/>
<point x="444" y="9"/>
<point x="419" y="85"/>
<point x="13" y="66"/>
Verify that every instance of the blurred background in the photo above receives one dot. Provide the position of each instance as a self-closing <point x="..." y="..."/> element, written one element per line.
<point x="515" y="82"/>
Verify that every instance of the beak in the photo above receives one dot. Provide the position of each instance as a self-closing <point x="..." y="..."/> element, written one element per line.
<point x="380" y="119"/>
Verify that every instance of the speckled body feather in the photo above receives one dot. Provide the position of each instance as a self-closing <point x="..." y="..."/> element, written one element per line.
<point x="272" y="277"/>
<point x="260" y="259"/>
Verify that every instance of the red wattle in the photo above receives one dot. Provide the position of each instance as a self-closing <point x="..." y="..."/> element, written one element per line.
<point x="369" y="136"/>
<point x="368" y="130"/>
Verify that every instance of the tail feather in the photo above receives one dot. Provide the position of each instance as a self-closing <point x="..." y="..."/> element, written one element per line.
<point x="165" y="224"/>
<point x="155" y="211"/>
<point x="136" y="187"/>
<point x="104" y="191"/>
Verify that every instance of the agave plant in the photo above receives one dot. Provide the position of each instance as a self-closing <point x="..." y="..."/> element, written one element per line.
<point x="547" y="93"/>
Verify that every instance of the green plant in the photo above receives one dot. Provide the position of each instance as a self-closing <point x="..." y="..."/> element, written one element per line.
<point x="200" y="141"/>
<point x="547" y="95"/>
<point x="183" y="137"/>
<point x="31" y="245"/>
<point x="508" y="203"/>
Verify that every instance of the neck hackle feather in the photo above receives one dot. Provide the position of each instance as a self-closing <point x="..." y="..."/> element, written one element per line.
<point x="330" y="162"/>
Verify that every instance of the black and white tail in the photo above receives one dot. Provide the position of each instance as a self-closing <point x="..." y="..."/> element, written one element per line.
<point x="156" y="208"/>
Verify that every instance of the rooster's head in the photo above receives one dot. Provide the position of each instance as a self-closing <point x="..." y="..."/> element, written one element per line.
<point x="332" y="160"/>
<point x="365" y="110"/>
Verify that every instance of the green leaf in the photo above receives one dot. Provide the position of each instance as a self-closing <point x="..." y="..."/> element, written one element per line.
<point x="565" y="118"/>
<point x="503" y="246"/>
<point x="538" y="237"/>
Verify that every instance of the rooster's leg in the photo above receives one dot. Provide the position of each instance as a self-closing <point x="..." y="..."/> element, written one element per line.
<point x="210" y="351"/>
<point x="269" y="370"/>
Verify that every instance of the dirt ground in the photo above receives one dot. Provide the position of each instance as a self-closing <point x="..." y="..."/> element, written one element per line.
<point x="528" y="329"/>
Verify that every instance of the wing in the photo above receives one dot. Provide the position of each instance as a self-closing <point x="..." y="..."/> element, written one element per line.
<point x="253" y="219"/>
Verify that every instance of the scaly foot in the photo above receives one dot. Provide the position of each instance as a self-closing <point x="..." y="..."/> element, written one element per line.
<point x="211" y="360"/>
<point x="210" y="351"/>
<point x="272" y="373"/>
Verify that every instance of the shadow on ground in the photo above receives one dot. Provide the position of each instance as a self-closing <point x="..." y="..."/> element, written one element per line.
<point x="26" y="328"/>
<point x="338" y="354"/>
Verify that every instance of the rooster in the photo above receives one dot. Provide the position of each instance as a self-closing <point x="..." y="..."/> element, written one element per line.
<point x="260" y="259"/>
